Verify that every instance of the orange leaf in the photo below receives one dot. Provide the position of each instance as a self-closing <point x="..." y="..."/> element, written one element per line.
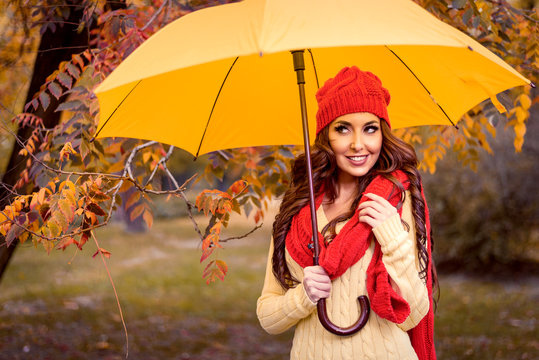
<point x="237" y="187"/>
<point x="133" y="198"/>
<point x="206" y="253"/>
<point x="135" y="213"/>
<point x="148" y="218"/>
<point x="222" y="266"/>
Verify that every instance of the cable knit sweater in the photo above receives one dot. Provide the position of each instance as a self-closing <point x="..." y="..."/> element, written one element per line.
<point x="278" y="310"/>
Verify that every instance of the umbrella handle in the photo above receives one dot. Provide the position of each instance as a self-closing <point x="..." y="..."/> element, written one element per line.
<point x="340" y="331"/>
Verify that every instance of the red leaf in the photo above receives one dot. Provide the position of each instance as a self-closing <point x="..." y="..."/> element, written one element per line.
<point x="96" y="209"/>
<point x="103" y="251"/>
<point x="83" y="239"/>
<point x="66" y="242"/>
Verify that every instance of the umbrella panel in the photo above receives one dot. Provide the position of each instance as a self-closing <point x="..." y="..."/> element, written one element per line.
<point x="258" y="103"/>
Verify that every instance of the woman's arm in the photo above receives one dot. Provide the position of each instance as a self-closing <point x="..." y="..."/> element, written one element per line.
<point x="400" y="257"/>
<point x="279" y="309"/>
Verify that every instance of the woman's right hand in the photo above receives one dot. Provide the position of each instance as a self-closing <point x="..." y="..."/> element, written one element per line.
<point x="316" y="282"/>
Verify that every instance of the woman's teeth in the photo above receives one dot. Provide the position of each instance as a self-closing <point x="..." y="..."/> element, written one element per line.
<point x="357" y="158"/>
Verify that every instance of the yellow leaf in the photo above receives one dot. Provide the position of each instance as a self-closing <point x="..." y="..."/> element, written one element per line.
<point x="54" y="228"/>
<point x="66" y="209"/>
<point x="520" y="131"/>
<point x="146" y="156"/>
<point x="525" y="101"/>
<point x="24" y="236"/>
<point x="522" y="114"/>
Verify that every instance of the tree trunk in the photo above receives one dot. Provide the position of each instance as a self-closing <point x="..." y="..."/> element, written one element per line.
<point x="54" y="48"/>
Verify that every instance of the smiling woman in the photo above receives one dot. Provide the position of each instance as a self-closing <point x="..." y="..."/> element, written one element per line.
<point x="374" y="235"/>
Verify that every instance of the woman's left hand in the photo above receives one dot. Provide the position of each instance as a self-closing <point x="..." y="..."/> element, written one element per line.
<point x="376" y="210"/>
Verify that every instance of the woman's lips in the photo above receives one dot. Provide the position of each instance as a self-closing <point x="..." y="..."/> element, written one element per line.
<point x="358" y="159"/>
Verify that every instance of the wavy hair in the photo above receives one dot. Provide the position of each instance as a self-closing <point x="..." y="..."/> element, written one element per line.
<point x="395" y="154"/>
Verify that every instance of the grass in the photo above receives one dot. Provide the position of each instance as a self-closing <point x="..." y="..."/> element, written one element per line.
<point x="62" y="306"/>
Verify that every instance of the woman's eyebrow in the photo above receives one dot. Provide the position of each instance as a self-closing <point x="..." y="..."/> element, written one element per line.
<point x="373" y="122"/>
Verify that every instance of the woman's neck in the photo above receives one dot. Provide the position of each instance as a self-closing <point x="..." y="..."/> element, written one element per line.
<point x="346" y="192"/>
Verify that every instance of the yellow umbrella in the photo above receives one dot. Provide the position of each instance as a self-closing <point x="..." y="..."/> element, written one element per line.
<point x="166" y="89"/>
<point x="223" y="78"/>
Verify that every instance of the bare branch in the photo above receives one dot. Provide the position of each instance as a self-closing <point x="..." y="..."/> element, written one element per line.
<point x="162" y="161"/>
<point x="155" y="15"/>
<point x="242" y="236"/>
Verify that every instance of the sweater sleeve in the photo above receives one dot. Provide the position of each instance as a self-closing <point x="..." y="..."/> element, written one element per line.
<point x="279" y="309"/>
<point x="400" y="258"/>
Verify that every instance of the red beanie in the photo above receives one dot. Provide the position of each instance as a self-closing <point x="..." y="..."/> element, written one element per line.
<point x="350" y="91"/>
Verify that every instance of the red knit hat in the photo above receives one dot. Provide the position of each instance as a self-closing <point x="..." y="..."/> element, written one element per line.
<point x="350" y="91"/>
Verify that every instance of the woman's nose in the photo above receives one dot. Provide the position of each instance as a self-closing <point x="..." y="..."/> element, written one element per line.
<point x="356" y="144"/>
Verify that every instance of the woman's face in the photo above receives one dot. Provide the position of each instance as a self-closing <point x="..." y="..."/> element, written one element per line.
<point x="356" y="140"/>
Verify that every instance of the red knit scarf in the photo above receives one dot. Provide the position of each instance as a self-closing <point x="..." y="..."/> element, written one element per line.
<point x="350" y="245"/>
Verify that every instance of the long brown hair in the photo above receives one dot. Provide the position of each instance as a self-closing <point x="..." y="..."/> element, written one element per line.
<point x="394" y="155"/>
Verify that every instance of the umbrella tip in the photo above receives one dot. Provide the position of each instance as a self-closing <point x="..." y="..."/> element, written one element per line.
<point x="470" y="48"/>
<point x="92" y="139"/>
<point x="532" y="84"/>
<point x="261" y="54"/>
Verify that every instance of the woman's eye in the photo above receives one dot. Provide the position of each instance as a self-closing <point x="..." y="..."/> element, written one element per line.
<point x="371" y="129"/>
<point x="341" y="129"/>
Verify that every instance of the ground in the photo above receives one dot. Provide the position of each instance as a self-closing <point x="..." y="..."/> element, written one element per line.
<point x="62" y="306"/>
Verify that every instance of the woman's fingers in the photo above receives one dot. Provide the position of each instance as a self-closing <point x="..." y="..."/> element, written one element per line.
<point x="316" y="282"/>
<point x="375" y="211"/>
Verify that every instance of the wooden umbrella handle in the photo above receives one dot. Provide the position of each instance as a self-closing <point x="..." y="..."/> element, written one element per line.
<point x="340" y="331"/>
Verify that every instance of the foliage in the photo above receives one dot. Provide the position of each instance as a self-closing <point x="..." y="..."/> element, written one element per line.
<point x="488" y="221"/>
<point x="71" y="184"/>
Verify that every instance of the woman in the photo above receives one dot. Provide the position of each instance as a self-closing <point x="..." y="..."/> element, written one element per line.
<point x="366" y="183"/>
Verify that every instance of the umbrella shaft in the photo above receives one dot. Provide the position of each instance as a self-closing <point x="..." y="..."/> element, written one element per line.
<point x="299" y="67"/>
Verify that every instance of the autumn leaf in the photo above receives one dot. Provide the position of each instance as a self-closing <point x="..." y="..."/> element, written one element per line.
<point x="237" y="187"/>
<point x="55" y="89"/>
<point x="64" y="243"/>
<point x="206" y="253"/>
<point x="136" y="212"/>
<point x="12" y="234"/>
<point x="83" y="239"/>
<point x="148" y="218"/>
<point x="133" y="198"/>
<point x="102" y="251"/>
<point x="96" y="209"/>
<point x="67" y="149"/>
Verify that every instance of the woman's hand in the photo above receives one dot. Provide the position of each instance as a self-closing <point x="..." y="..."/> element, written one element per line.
<point x="316" y="282"/>
<point x="375" y="211"/>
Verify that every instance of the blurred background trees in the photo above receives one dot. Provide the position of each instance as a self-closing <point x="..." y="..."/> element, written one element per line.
<point x="54" y="53"/>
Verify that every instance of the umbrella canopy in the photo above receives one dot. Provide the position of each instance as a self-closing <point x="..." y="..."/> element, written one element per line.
<point x="223" y="78"/>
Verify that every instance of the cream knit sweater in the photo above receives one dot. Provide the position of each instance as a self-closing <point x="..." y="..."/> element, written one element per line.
<point x="278" y="310"/>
